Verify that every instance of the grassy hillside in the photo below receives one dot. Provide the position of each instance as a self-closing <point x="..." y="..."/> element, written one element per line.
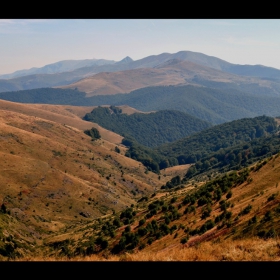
<point x="65" y="196"/>
<point x="233" y="217"/>
<point x="53" y="176"/>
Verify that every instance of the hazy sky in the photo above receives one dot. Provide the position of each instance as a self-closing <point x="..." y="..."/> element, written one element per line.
<point x="37" y="42"/>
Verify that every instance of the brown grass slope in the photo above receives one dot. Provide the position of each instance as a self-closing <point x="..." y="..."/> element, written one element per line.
<point x="52" y="175"/>
<point x="173" y="72"/>
<point x="63" y="114"/>
<point x="244" y="236"/>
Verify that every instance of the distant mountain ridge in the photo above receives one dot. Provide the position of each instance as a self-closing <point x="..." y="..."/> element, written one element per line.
<point x="58" y="67"/>
<point x="153" y="61"/>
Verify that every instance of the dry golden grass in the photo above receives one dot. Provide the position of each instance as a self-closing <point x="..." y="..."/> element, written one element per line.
<point x="63" y="114"/>
<point x="124" y="81"/>
<point x="173" y="171"/>
<point x="50" y="172"/>
<point x="129" y="110"/>
<point x="253" y="249"/>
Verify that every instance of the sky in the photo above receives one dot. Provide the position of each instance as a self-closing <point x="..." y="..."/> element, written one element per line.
<point x="27" y="43"/>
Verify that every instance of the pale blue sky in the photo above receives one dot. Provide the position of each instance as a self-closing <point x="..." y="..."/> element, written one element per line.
<point x="37" y="42"/>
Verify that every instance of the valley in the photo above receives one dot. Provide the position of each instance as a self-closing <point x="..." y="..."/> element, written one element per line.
<point x="173" y="157"/>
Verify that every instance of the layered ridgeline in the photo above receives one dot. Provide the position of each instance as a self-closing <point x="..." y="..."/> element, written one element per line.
<point x="183" y="67"/>
<point x="212" y="105"/>
<point x="152" y="129"/>
<point x="229" y="145"/>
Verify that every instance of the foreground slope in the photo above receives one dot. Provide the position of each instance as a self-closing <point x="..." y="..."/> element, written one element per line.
<point x="233" y="217"/>
<point x="54" y="176"/>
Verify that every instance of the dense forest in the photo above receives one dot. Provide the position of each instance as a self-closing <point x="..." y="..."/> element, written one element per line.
<point x="230" y="144"/>
<point x="219" y="137"/>
<point x="151" y="129"/>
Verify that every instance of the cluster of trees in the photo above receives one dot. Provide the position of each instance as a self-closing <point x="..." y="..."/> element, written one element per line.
<point x="150" y="231"/>
<point x="145" y="155"/>
<point x="93" y="133"/>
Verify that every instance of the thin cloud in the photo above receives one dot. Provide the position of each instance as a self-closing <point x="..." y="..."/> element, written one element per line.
<point x="248" y="42"/>
<point x="12" y="26"/>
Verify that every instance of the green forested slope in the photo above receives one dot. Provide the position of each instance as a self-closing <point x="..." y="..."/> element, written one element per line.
<point x="234" y="143"/>
<point x="151" y="129"/>
<point x="219" y="137"/>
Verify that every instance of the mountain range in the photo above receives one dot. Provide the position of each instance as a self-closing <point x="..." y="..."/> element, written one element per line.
<point x="140" y="160"/>
<point x="267" y="77"/>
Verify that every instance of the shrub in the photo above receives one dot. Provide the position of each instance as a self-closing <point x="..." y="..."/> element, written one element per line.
<point x="267" y="216"/>
<point x="93" y="133"/>
<point x="246" y="210"/>
<point x="229" y="195"/>
<point x="150" y="240"/>
<point x="142" y="222"/>
<point x="272" y="197"/>
<point x="184" y="240"/>
<point x="3" y="208"/>
<point x="142" y="231"/>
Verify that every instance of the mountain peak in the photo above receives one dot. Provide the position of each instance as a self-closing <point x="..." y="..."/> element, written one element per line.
<point x="127" y="59"/>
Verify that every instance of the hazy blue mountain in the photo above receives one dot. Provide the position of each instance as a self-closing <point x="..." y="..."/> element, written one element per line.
<point x="58" y="67"/>
<point x="65" y="78"/>
<point x="125" y="60"/>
